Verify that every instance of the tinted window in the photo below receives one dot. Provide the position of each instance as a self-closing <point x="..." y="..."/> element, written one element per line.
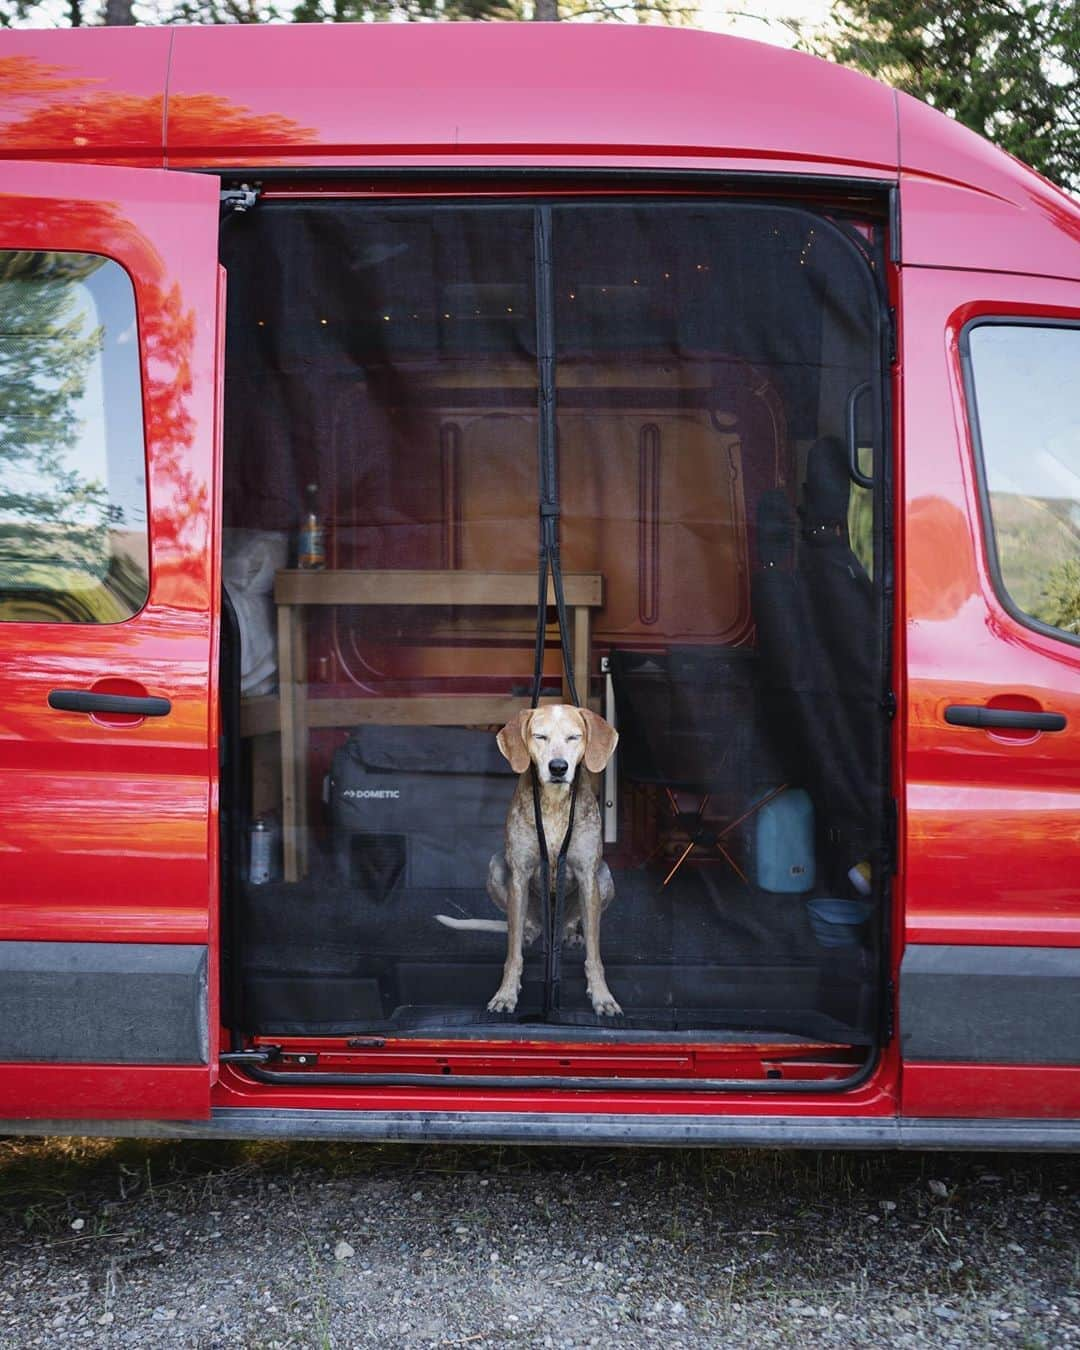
<point x="1027" y="395"/>
<point x="73" y="535"/>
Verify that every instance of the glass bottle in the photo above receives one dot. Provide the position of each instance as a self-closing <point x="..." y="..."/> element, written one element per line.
<point x="311" y="547"/>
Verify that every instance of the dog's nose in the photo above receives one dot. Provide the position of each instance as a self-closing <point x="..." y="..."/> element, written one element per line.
<point x="557" y="767"/>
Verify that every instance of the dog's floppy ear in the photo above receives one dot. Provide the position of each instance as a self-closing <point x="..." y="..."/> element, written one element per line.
<point x="601" y="739"/>
<point x="512" y="740"/>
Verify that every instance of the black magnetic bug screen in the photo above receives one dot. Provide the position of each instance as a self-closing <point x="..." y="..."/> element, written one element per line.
<point x="718" y="424"/>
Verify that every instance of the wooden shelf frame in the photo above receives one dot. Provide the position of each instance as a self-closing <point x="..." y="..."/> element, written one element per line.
<point x="292" y="714"/>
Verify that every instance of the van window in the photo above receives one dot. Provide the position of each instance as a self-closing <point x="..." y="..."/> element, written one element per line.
<point x="73" y="530"/>
<point x="1025" y="380"/>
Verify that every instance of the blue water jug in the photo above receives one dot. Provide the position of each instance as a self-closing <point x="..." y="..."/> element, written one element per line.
<point x="784" y="843"/>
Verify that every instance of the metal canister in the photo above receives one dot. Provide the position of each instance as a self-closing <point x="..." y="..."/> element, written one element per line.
<point x="260" y="855"/>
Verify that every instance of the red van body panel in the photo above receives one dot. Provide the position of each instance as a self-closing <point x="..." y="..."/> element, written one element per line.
<point x="967" y="204"/>
<point x="993" y="819"/>
<point x="482" y="93"/>
<point x="988" y="826"/>
<point x="109" y="827"/>
<point x="1003" y="1091"/>
<point x="95" y="95"/>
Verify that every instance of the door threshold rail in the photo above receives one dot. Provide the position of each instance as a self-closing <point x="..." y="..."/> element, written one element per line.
<point x="308" y="1069"/>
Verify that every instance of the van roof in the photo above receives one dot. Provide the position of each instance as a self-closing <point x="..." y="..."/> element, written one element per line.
<point x="502" y="94"/>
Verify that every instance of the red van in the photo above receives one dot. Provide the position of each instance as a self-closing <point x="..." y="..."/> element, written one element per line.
<point x="312" y="336"/>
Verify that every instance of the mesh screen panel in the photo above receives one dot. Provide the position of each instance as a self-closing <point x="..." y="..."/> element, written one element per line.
<point x="717" y="376"/>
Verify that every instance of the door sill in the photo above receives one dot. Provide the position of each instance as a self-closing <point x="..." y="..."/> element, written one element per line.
<point x="788" y="1065"/>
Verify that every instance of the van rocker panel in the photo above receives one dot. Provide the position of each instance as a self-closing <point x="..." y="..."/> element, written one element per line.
<point x="512" y="1127"/>
<point x="103" y="1003"/>
<point x="990" y="1005"/>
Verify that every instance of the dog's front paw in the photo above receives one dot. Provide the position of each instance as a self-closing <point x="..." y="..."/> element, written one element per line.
<point x="505" y="1001"/>
<point x="604" y="1004"/>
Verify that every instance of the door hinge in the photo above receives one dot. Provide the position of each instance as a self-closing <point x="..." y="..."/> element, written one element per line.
<point x="234" y="201"/>
<point x="890" y="1011"/>
<point x="891" y="338"/>
<point x="888" y="704"/>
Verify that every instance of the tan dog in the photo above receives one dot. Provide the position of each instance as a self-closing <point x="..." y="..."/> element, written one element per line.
<point x="556" y="738"/>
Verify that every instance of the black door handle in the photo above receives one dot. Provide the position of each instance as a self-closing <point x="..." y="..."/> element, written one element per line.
<point x="1015" y="719"/>
<point x="84" y="701"/>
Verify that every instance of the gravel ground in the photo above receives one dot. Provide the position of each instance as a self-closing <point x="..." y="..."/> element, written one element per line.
<point x="134" y="1244"/>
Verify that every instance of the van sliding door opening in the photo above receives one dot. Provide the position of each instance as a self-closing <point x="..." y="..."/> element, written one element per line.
<point x="718" y="379"/>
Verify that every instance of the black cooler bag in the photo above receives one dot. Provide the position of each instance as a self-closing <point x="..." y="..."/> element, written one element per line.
<point x="421" y="807"/>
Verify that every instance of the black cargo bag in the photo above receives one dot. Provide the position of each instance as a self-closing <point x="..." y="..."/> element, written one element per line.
<point x="417" y="807"/>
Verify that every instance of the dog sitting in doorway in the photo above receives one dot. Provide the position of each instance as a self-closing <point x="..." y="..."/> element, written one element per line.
<point x="556" y="739"/>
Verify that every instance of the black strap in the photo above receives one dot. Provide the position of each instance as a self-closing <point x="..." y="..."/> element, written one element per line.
<point x="548" y="459"/>
<point x="553" y="974"/>
<point x="549" y="562"/>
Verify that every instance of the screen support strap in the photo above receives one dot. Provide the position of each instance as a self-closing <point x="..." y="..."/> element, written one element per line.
<point x="549" y="560"/>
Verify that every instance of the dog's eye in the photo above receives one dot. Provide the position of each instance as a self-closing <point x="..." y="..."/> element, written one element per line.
<point x="573" y="738"/>
<point x="538" y="737"/>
